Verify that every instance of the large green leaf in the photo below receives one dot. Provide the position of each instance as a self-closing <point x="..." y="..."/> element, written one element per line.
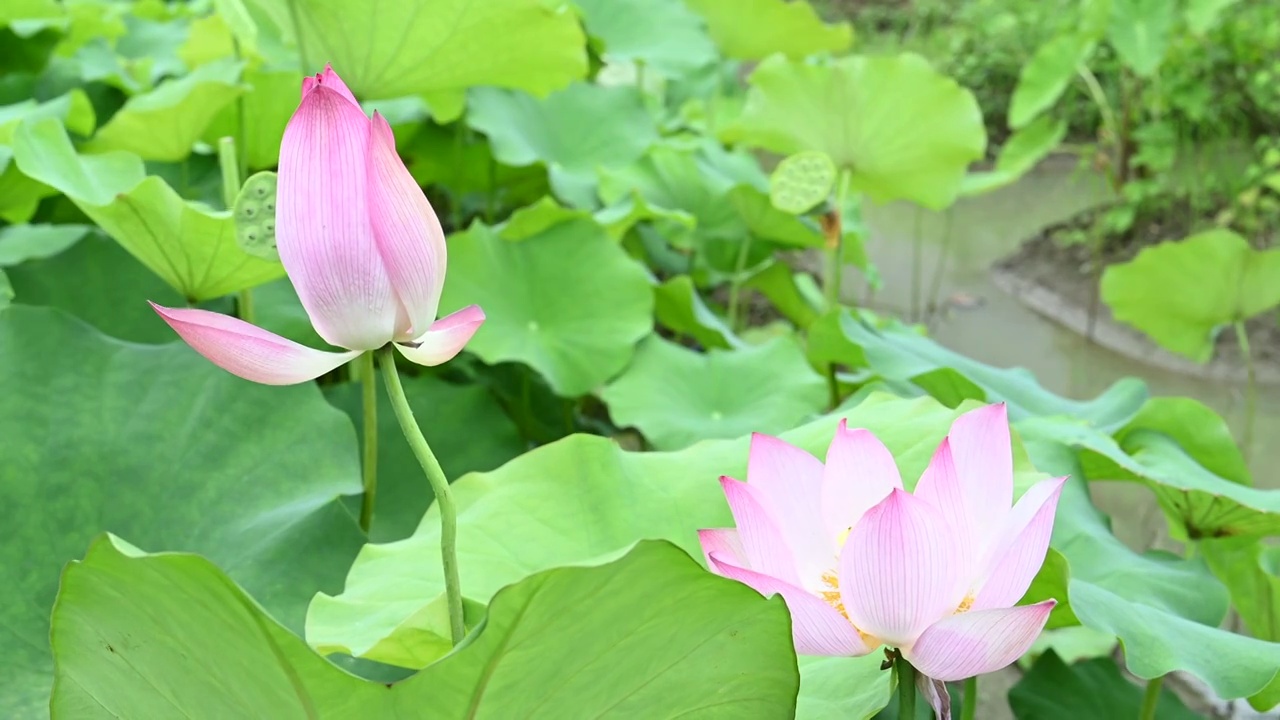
<point x="1251" y="571"/>
<point x="679" y="308"/>
<point x="1046" y="75"/>
<point x="1208" y="281"/>
<point x="164" y="123"/>
<point x="580" y="498"/>
<point x="756" y="29"/>
<point x="98" y="282"/>
<point x="73" y="109"/>
<point x="1092" y="689"/>
<point x="571" y="304"/>
<point x="899" y="128"/>
<point x="680" y="180"/>
<point x="1202" y="433"/>
<point x="1140" y="31"/>
<point x="677" y="396"/>
<point x="579" y="129"/>
<point x="269" y="102"/>
<point x="663" y="34"/>
<point x="897" y="353"/>
<point x="191" y="247"/>
<point x="1165" y="611"/>
<point x="157" y="443"/>
<point x="441" y="47"/>
<point x="1019" y="154"/>
<point x="465" y="426"/>
<point x="1202" y="14"/>
<point x="1199" y="504"/>
<point x="20" y="194"/>
<point x="19" y="243"/>
<point x="832" y="688"/>
<point x="651" y="634"/>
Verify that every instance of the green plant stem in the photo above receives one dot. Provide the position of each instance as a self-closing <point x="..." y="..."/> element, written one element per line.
<point x="439" y="485"/>
<point x="940" y="269"/>
<point x="369" y="388"/>
<point x="917" y="253"/>
<point x="1151" y="698"/>
<point x="1099" y="97"/>
<point x="229" y="167"/>
<point x="735" y="285"/>
<point x="833" y="387"/>
<point x="491" y="193"/>
<point x="906" y="688"/>
<point x="968" y="712"/>
<point x="836" y="244"/>
<point x="1251" y="389"/>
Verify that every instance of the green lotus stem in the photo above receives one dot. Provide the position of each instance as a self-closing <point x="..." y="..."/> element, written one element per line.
<point x="369" y="469"/>
<point x="1251" y="390"/>
<point x="906" y="688"/>
<point x="735" y="286"/>
<point x="1151" y="698"/>
<point x="835" y="259"/>
<point x="229" y="166"/>
<point x="917" y="252"/>
<point x="970" y="699"/>
<point x="439" y="485"/>
<point x="935" y="291"/>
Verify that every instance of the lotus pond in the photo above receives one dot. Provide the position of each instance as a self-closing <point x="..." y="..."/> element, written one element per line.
<point x="637" y="358"/>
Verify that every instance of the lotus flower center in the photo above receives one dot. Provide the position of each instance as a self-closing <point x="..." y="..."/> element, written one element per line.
<point x="832" y="596"/>
<point x="965" y="604"/>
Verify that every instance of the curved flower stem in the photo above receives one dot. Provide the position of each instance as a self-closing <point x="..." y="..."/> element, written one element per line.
<point x="229" y="166"/>
<point x="439" y="485"/>
<point x="906" y="688"/>
<point x="968" y="712"/>
<point x="369" y="387"/>
<point x="1151" y="698"/>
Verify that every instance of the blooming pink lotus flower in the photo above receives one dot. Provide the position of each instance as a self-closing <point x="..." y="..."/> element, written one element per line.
<point x="862" y="563"/>
<point x="360" y="243"/>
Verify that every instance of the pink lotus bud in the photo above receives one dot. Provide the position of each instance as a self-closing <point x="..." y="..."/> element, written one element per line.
<point x="360" y="243"/>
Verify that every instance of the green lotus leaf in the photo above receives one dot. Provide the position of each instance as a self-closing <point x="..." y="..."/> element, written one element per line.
<point x="158" y="443"/>
<point x="677" y="396"/>
<point x="440" y="47"/>
<point x="1233" y="282"/>
<point x="191" y="247"/>
<point x="900" y="129"/>
<point x="578" y="336"/>
<point x="756" y="29"/>
<point x="164" y="123"/>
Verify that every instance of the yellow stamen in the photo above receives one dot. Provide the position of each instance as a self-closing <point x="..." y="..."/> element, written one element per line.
<point x="965" y="604"/>
<point x="832" y="598"/>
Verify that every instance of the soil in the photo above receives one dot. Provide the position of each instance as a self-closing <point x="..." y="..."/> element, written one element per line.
<point x="1056" y="279"/>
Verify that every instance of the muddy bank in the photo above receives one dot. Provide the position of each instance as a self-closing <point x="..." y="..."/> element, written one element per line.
<point x="1054" y="281"/>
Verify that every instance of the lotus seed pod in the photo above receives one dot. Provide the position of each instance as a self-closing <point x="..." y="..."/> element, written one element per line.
<point x="255" y="216"/>
<point x="802" y="181"/>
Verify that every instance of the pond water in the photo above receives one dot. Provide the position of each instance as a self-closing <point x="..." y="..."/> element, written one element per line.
<point x="999" y="330"/>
